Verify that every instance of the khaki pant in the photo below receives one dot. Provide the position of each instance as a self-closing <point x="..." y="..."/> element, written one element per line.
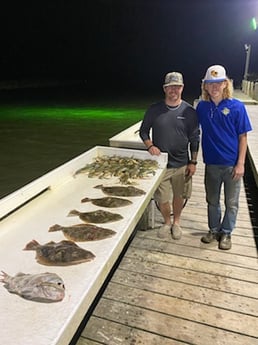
<point x="174" y="182"/>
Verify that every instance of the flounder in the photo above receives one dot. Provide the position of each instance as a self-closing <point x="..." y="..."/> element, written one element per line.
<point x="43" y="287"/>
<point x="63" y="253"/>
<point x="98" y="216"/>
<point x="83" y="232"/>
<point x="108" y="201"/>
<point x="121" y="190"/>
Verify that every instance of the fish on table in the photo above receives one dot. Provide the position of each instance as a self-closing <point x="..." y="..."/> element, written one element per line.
<point x="108" y="201"/>
<point x="43" y="287"/>
<point x="63" y="253"/>
<point x="83" y="232"/>
<point x="125" y="168"/>
<point x="98" y="216"/>
<point x="121" y="190"/>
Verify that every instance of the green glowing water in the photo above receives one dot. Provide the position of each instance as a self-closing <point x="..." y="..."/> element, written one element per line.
<point x="36" y="139"/>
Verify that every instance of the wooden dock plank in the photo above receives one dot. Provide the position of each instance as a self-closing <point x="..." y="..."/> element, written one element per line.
<point x="186" y="291"/>
<point x="168" y="326"/>
<point x="195" y="253"/>
<point x="241" y="244"/>
<point x="83" y="341"/>
<point x="182" y="275"/>
<point x="198" y="265"/>
<point x="164" y="303"/>
<point x="99" y="329"/>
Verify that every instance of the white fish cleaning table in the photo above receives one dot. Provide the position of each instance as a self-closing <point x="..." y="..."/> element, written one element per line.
<point x="129" y="138"/>
<point x="29" y="212"/>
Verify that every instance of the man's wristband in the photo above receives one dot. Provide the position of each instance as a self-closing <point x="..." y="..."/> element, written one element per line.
<point x="192" y="162"/>
<point x="149" y="147"/>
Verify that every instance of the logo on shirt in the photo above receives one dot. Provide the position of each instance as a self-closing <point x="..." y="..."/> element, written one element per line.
<point x="225" y="111"/>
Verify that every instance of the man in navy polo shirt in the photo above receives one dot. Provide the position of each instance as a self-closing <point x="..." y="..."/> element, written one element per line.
<point x="175" y="130"/>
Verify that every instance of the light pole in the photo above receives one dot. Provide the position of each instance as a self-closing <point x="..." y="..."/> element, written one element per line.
<point x="247" y="60"/>
<point x="253" y="25"/>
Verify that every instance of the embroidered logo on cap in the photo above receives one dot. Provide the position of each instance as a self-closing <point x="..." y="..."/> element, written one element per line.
<point x="214" y="73"/>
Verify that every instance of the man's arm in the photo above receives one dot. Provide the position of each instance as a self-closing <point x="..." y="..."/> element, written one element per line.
<point x="239" y="169"/>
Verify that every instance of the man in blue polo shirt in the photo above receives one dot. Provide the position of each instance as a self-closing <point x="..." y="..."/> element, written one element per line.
<point x="224" y="123"/>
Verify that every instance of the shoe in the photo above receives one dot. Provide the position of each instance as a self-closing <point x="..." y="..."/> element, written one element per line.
<point x="225" y="242"/>
<point x="163" y="230"/>
<point x="176" y="232"/>
<point x="210" y="237"/>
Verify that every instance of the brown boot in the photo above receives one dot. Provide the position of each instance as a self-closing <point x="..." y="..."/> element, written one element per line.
<point x="210" y="237"/>
<point x="225" y="242"/>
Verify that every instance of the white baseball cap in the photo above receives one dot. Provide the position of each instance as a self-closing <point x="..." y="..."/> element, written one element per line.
<point x="215" y="74"/>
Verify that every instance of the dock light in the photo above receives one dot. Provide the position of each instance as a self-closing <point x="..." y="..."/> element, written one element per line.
<point x="253" y="23"/>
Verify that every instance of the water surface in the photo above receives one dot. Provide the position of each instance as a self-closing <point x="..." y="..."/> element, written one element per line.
<point x="42" y="129"/>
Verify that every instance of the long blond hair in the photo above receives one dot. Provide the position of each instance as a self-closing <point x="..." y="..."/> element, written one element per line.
<point x="227" y="92"/>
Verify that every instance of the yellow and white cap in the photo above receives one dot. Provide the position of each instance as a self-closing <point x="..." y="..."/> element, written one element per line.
<point x="215" y="74"/>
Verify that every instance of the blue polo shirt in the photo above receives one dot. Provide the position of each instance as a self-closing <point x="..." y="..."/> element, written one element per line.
<point x="221" y="126"/>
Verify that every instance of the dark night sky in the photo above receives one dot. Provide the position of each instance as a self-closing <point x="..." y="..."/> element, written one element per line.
<point x="125" y="44"/>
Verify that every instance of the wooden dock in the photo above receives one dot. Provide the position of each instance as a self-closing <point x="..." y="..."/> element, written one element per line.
<point x="167" y="292"/>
